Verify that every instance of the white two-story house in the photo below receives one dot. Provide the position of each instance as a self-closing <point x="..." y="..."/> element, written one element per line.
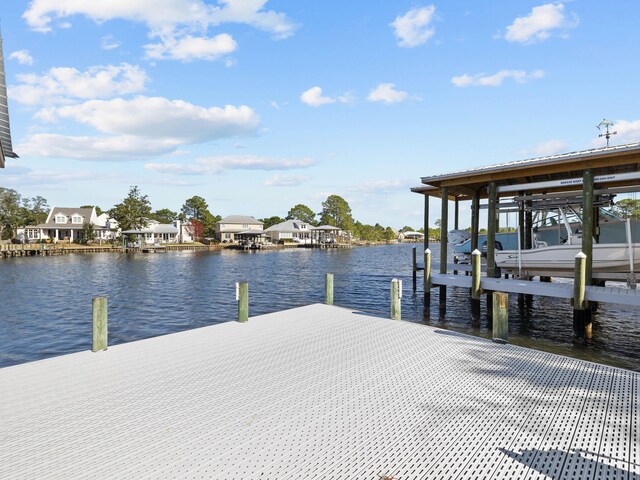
<point x="67" y="224"/>
<point x="291" y="230"/>
<point x="229" y="227"/>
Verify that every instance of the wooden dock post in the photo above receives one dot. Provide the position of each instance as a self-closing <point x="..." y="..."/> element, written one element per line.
<point x="242" y="295"/>
<point x="587" y="223"/>
<point x="476" y="291"/>
<point x="427" y="271"/>
<point x="426" y="222"/>
<point x="500" y="317"/>
<point x="100" y="324"/>
<point x="444" y="230"/>
<point x="475" y="219"/>
<point x="328" y="289"/>
<point x="427" y="280"/>
<point x="396" y="295"/>
<point x="582" y="326"/>
<point x="491" y="239"/>
<point x="491" y="230"/>
<point x="415" y="268"/>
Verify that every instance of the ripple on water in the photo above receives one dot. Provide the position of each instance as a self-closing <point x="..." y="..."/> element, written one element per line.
<point x="47" y="300"/>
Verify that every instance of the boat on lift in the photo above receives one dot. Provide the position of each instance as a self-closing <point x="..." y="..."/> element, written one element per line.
<point x="559" y="259"/>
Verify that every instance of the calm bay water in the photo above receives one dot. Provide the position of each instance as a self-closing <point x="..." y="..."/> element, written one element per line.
<point x="46" y="301"/>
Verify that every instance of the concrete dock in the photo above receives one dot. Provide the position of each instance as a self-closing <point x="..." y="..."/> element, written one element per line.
<point x="318" y="392"/>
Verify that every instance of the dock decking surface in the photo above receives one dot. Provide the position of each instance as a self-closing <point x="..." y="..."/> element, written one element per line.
<point x="318" y="392"/>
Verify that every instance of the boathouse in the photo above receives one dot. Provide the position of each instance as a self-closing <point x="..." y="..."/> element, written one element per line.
<point x="586" y="180"/>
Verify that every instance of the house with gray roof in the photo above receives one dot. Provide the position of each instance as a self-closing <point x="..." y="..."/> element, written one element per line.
<point x="291" y="230"/>
<point x="160" y="233"/>
<point x="67" y="224"/>
<point x="229" y="227"/>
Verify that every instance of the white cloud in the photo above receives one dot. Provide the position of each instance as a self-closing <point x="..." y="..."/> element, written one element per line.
<point x="140" y="128"/>
<point x="539" y="24"/>
<point x="314" y="98"/>
<point x="414" y="27"/>
<point x="549" y="148"/>
<point x="114" y="148"/>
<point x="18" y="175"/>
<point x="383" y="186"/>
<point x="161" y="118"/>
<point x="386" y="92"/>
<point x="214" y="165"/>
<point x="61" y="84"/>
<point x="22" y="56"/>
<point x="190" y="48"/>
<point x="162" y="13"/>
<point x="495" y="80"/>
<point x="181" y="25"/>
<point x="286" y="180"/>
<point x="108" y="42"/>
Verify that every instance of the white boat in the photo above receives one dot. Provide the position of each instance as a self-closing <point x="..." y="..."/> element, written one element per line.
<point x="607" y="257"/>
<point x="559" y="260"/>
<point x="457" y="237"/>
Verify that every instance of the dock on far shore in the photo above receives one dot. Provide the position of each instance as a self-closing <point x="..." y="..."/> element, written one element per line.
<point x="318" y="392"/>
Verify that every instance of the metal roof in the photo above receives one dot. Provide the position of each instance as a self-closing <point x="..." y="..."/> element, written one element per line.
<point x="606" y="160"/>
<point x="6" y="149"/>
<point x="326" y="227"/>
<point x="290" y="226"/>
<point x="241" y="219"/>
<point x="536" y="161"/>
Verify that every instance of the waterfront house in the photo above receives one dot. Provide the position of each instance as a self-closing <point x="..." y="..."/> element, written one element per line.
<point x="161" y="233"/>
<point x="291" y="230"/>
<point x="229" y="227"/>
<point x="66" y="224"/>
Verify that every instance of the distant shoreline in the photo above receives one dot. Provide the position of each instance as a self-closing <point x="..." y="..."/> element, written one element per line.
<point x="54" y="249"/>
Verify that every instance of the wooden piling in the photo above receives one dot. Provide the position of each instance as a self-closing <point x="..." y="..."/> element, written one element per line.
<point x="476" y="291"/>
<point x="475" y="219"/>
<point x="581" y="312"/>
<point x="427" y="280"/>
<point x="500" y="317"/>
<point x="100" y="324"/>
<point x="456" y="214"/>
<point x="427" y="270"/>
<point x="415" y="267"/>
<point x="396" y="295"/>
<point x="426" y="222"/>
<point x="328" y="289"/>
<point x="587" y="223"/>
<point x="528" y="226"/>
<point x="243" y="301"/>
<point x="444" y="230"/>
<point x="491" y="230"/>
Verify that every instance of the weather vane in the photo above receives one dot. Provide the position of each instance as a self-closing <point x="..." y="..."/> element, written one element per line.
<point x="606" y="124"/>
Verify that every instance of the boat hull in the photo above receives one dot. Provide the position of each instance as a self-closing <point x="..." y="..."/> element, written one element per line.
<point x="607" y="257"/>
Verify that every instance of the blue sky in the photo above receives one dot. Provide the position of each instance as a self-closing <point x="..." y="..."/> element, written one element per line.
<point x="257" y="106"/>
